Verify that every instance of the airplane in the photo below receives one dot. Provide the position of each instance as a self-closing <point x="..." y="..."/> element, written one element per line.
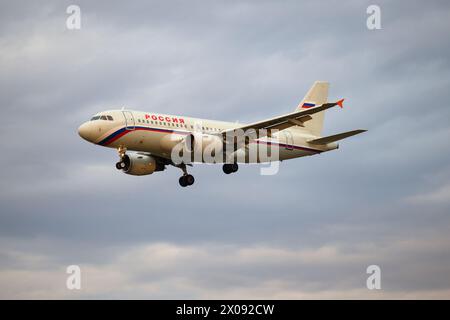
<point x="146" y="141"/>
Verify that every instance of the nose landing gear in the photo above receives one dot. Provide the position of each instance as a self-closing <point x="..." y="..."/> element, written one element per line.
<point x="121" y="164"/>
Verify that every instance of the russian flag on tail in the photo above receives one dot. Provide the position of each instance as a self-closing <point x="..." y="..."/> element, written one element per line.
<point x="307" y="105"/>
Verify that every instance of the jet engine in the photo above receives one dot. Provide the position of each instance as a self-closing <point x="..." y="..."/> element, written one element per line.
<point x="137" y="164"/>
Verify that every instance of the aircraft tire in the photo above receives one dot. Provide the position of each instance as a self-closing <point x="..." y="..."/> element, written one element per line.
<point x="227" y="168"/>
<point x="183" y="181"/>
<point x="189" y="179"/>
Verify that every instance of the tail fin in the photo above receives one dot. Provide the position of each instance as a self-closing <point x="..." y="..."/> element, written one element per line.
<point x="336" y="137"/>
<point x="317" y="95"/>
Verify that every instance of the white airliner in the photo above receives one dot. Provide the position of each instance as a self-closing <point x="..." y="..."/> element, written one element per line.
<point x="146" y="141"/>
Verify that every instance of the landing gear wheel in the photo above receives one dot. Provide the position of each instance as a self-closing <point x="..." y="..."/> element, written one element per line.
<point x="226" y="169"/>
<point x="230" y="168"/>
<point x="183" y="181"/>
<point x="189" y="179"/>
<point x="120" y="165"/>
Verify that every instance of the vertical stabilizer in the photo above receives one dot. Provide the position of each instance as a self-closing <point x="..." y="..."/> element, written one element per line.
<point x="317" y="95"/>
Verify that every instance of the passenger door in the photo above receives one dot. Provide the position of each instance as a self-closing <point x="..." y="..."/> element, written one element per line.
<point x="129" y="120"/>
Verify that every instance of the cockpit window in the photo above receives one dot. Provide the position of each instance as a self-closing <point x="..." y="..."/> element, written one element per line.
<point x="108" y="117"/>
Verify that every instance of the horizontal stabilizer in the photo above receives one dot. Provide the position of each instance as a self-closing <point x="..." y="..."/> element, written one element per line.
<point x="335" y="137"/>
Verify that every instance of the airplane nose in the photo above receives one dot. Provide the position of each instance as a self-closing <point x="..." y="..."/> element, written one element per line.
<point x="84" y="131"/>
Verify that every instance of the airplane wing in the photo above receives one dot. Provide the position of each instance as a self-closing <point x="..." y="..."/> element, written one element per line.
<point x="296" y="118"/>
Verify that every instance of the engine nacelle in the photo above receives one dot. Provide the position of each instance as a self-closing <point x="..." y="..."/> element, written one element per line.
<point x="140" y="164"/>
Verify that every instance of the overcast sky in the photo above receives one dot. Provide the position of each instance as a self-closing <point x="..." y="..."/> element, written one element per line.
<point x="310" y="231"/>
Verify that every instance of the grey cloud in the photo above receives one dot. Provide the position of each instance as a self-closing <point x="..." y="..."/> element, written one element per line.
<point x="164" y="270"/>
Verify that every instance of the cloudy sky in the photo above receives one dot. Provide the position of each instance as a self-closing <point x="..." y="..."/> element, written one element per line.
<point x="308" y="232"/>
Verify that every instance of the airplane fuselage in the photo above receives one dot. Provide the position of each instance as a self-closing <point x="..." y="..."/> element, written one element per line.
<point x="147" y="132"/>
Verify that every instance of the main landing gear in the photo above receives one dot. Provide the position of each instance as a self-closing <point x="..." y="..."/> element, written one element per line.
<point x="230" y="168"/>
<point x="186" y="179"/>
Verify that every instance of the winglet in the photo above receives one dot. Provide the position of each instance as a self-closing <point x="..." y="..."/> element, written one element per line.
<point x="340" y="103"/>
